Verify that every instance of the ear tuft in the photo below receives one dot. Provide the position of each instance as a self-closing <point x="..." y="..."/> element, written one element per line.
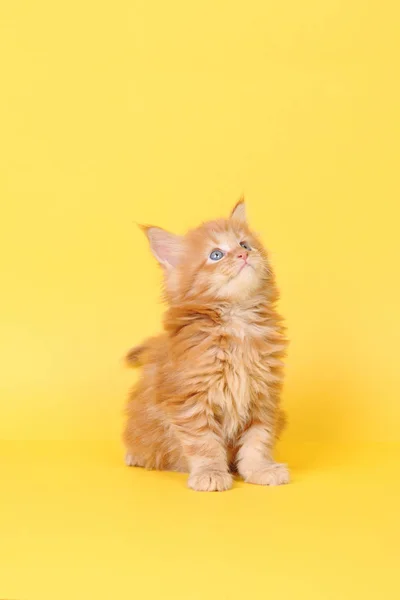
<point x="165" y="246"/>
<point x="239" y="212"/>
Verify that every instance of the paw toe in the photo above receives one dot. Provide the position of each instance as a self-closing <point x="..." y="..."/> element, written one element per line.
<point x="210" y="481"/>
<point x="274" y="474"/>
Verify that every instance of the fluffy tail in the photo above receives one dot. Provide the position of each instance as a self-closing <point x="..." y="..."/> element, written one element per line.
<point x="135" y="355"/>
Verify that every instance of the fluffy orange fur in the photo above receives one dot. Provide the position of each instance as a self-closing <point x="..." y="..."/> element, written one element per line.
<point x="208" y="400"/>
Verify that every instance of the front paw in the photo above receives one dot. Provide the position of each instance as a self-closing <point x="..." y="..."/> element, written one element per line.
<point x="269" y="474"/>
<point x="210" y="481"/>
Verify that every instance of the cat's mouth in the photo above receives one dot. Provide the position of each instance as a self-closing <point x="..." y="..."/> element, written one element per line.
<point x="243" y="268"/>
<point x="244" y="265"/>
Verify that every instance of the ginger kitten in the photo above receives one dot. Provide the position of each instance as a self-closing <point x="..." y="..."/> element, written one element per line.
<point x="208" y="400"/>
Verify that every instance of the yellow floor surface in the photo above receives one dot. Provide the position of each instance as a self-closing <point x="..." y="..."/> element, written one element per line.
<point x="75" y="523"/>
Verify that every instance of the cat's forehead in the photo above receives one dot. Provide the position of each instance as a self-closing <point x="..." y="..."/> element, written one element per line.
<point x="226" y="240"/>
<point x="222" y="234"/>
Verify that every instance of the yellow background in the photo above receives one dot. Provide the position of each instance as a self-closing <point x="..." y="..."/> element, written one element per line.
<point x="119" y="112"/>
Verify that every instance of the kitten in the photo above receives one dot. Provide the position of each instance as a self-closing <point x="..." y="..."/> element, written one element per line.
<point x="208" y="399"/>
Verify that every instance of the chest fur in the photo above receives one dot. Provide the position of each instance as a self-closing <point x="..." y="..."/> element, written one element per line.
<point x="244" y="355"/>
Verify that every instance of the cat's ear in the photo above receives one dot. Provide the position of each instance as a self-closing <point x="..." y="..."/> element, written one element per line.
<point x="165" y="246"/>
<point x="239" y="211"/>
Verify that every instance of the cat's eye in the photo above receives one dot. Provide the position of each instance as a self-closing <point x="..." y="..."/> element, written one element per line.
<point x="245" y="245"/>
<point x="216" y="254"/>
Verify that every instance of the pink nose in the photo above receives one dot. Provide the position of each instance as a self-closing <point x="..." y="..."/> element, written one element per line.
<point x="243" y="254"/>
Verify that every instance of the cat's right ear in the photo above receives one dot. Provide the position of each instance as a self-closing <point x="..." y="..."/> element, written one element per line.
<point x="239" y="211"/>
<point x="165" y="246"/>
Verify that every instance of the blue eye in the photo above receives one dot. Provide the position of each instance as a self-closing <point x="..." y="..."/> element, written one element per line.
<point x="216" y="255"/>
<point x="245" y="245"/>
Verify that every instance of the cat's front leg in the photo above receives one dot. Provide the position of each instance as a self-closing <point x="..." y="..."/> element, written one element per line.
<point x="254" y="458"/>
<point x="203" y="448"/>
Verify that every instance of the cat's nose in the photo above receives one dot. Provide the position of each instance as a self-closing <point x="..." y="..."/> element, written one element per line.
<point x="243" y="254"/>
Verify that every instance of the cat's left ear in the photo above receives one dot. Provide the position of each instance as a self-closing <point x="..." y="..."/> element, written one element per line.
<point x="165" y="246"/>
<point x="239" y="212"/>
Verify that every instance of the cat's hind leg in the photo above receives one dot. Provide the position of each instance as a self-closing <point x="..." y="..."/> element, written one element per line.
<point x="150" y="441"/>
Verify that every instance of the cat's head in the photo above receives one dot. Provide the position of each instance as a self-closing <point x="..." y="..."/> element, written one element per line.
<point x="221" y="259"/>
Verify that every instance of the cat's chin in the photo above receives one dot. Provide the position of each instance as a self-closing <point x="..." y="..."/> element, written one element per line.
<point x="242" y="286"/>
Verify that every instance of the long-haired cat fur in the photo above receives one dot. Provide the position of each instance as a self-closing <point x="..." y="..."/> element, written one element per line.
<point x="208" y="399"/>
